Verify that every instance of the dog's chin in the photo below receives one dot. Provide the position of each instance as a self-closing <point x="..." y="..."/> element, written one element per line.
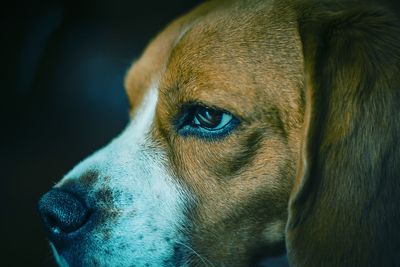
<point x="86" y="255"/>
<point x="181" y="256"/>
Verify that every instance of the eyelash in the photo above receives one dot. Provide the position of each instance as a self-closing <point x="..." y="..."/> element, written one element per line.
<point x="191" y="120"/>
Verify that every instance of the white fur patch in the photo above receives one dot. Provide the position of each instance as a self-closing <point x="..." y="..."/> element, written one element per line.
<point x="146" y="200"/>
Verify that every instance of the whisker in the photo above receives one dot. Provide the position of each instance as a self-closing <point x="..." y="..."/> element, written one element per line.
<point x="204" y="260"/>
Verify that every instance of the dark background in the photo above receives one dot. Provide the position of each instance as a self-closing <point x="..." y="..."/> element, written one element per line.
<point x="62" y="97"/>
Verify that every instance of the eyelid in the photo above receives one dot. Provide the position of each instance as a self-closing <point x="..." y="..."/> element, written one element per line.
<point x="213" y="106"/>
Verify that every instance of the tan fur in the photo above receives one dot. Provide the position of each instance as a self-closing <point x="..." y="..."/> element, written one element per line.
<point x="247" y="57"/>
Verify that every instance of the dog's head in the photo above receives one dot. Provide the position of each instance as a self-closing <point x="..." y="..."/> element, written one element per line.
<point x="204" y="171"/>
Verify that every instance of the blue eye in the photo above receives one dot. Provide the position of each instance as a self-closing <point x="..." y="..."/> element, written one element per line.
<point x="205" y="122"/>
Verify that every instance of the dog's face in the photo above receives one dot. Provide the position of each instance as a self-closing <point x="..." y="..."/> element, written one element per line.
<point x="253" y="124"/>
<point x="202" y="173"/>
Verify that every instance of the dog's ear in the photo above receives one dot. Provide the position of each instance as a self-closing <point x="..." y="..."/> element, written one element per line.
<point x="344" y="209"/>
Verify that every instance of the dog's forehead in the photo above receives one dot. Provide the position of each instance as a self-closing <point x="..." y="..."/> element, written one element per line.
<point x="223" y="46"/>
<point x="147" y="70"/>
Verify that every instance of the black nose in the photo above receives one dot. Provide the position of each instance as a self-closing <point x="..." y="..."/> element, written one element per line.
<point x="62" y="212"/>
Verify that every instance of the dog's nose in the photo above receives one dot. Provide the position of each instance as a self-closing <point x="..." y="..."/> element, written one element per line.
<point x="62" y="212"/>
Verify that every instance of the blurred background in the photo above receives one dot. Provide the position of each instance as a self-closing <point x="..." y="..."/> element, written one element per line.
<point x="62" y="97"/>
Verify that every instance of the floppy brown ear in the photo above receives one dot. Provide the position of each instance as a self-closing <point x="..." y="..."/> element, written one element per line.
<point x="345" y="206"/>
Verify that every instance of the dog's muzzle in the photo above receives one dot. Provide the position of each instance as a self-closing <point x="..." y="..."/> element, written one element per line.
<point x="120" y="206"/>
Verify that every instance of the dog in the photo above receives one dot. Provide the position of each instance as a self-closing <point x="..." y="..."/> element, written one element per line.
<point x="256" y="127"/>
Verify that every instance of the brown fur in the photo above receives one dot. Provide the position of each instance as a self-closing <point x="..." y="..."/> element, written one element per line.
<point x="344" y="210"/>
<point x="267" y="63"/>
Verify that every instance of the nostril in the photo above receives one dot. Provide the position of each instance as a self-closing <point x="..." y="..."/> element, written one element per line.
<point x="62" y="212"/>
<point x="51" y="221"/>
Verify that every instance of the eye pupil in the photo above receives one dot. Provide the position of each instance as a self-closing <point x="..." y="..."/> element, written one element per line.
<point x="208" y="118"/>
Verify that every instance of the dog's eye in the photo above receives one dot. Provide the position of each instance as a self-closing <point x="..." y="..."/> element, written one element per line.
<point x="210" y="118"/>
<point x="205" y="122"/>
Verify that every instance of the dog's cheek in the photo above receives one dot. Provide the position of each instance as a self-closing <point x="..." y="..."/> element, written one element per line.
<point x="231" y="216"/>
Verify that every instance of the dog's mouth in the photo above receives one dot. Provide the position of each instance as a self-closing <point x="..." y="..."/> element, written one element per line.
<point x="81" y="248"/>
<point x="92" y="231"/>
<point x="83" y="236"/>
